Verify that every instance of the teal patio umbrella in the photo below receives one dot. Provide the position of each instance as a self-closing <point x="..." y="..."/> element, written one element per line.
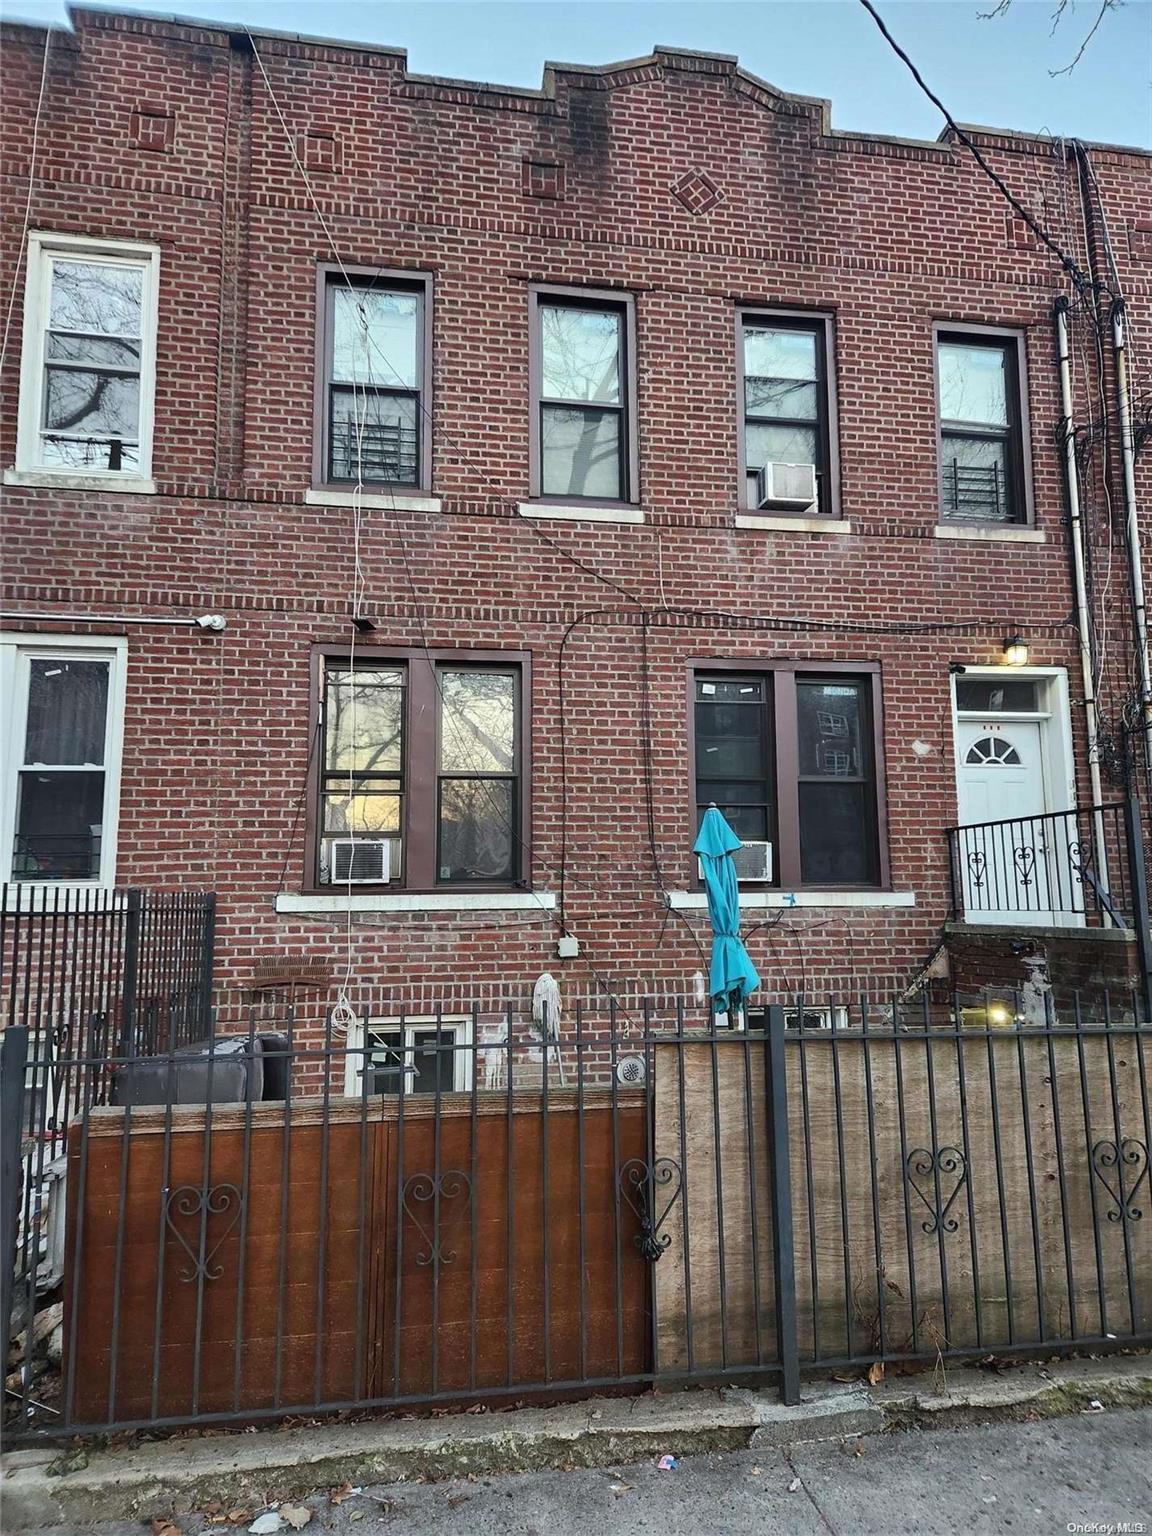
<point x="732" y="975"/>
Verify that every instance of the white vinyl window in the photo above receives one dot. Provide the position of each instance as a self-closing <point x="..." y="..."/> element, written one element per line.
<point x="431" y="1057"/>
<point x="62" y="714"/>
<point x="88" y="370"/>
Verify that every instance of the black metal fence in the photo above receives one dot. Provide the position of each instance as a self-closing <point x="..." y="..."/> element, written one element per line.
<point x="91" y="978"/>
<point x="464" y="1206"/>
<point x="1068" y="865"/>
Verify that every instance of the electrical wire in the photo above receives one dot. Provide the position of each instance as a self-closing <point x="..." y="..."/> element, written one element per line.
<point x="1078" y="277"/>
<point x="28" y="200"/>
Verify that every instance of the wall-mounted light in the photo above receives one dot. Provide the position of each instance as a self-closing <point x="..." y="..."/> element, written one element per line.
<point x="1015" y="651"/>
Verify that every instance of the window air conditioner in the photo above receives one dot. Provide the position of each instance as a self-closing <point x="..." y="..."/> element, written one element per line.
<point x="753" y="863"/>
<point x="360" y="861"/>
<point x="792" y="485"/>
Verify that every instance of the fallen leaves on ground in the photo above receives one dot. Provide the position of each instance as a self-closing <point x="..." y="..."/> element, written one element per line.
<point x="296" y="1515"/>
<point x="338" y="1495"/>
<point x="876" y="1373"/>
<point x="162" y="1527"/>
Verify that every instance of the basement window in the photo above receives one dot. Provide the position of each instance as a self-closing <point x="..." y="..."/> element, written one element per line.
<point x="425" y="1056"/>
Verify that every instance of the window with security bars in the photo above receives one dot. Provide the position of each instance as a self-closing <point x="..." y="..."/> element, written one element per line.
<point x="86" y="395"/>
<point x="376" y="385"/>
<point x="417" y="1057"/>
<point x="421" y="772"/>
<point x="790" y="759"/>
<point x="981" y="446"/>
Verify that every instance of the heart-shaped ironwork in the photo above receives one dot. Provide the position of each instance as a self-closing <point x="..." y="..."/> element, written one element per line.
<point x="937" y="1168"/>
<point x="651" y="1189"/>
<point x="977" y="865"/>
<point x="1024" y="859"/>
<point x="190" y="1201"/>
<point x="424" y="1189"/>
<point x="1079" y="856"/>
<point x="1128" y="1160"/>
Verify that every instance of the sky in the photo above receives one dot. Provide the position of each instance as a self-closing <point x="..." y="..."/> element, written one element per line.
<point x="987" y="71"/>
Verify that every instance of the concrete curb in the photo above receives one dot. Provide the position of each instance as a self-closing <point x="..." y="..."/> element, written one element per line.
<point x="179" y="1476"/>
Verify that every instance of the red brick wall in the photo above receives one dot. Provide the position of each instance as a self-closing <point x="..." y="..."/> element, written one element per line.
<point x="887" y="234"/>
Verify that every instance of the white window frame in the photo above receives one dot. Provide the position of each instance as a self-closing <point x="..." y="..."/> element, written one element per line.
<point x="42" y="249"/>
<point x="463" y="1060"/>
<point x="16" y="651"/>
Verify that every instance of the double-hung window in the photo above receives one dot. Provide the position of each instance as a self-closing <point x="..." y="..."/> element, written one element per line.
<point x="62" y="713"/>
<point x="790" y="756"/>
<point x="89" y="360"/>
<point x="982" y="469"/>
<point x="788" y="439"/>
<point x="374" y="395"/>
<point x="421" y="781"/>
<point x="583" y="409"/>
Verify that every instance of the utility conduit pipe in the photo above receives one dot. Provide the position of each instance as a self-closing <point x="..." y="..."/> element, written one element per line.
<point x="1080" y="589"/>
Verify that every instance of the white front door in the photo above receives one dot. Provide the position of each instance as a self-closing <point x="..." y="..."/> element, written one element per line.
<point x="1004" y="861"/>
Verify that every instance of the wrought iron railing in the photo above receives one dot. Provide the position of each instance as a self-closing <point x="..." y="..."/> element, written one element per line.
<point x="1064" y="868"/>
<point x="635" y="1195"/>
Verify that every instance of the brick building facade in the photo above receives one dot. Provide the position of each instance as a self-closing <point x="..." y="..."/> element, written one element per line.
<point x="696" y="218"/>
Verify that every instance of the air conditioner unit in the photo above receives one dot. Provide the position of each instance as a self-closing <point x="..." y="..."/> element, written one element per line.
<point x="360" y="861"/>
<point x="792" y="485"/>
<point x="815" y="1018"/>
<point x="753" y="863"/>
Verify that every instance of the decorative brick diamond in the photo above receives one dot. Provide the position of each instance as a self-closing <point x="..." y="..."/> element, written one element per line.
<point x="698" y="192"/>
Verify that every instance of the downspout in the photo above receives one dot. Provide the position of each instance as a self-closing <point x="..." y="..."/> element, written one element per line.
<point x="1132" y="528"/>
<point x="1080" y="589"/>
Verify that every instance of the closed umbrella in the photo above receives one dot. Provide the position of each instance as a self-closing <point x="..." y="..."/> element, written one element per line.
<point x="732" y="976"/>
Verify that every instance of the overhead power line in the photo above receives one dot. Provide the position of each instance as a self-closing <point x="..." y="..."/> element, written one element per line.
<point x="1078" y="277"/>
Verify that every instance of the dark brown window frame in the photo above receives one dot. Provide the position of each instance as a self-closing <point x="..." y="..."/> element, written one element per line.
<point x="329" y="275"/>
<point x="584" y="298"/>
<point x="420" y="816"/>
<point x="828" y="421"/>
<point x="785" y="737"/>
<point x="1014" y="341"/>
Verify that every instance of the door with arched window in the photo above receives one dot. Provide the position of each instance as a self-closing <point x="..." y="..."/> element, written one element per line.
<point x="1001" y="784"/>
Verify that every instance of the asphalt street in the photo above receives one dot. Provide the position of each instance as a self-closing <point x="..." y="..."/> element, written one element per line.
<point x="1092" y="1471"/>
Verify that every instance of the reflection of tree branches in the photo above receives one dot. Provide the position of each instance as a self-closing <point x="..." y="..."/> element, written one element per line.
<point x="87" y="407"/>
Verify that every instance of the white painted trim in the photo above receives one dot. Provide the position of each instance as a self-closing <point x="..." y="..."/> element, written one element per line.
<point x="578" y="513"/>
<point x="107" y="480"/>
<point x="13" y="701"/>
<point x="340" y="902"/>
<point x="693" y="901"/>
<point x="1055" y="724"/>
<point x="374" y="501"/>
<point x="793" y="524"/>
<point x="42" y="247"/>
<point x="984" y="535"/>
<point x="463" y="1059"/>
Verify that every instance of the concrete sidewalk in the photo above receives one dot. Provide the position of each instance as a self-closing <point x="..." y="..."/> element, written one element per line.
<point x="43" y="1488"/>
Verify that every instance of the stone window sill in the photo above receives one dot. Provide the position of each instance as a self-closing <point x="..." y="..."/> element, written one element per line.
<point x="990" y="535"/>
<point x="578" y="513"/>
<point x="337" y="903"/>
<point x="377" y="501"/>
<point x="693" y="901"/>
<point x="757" y="520"/>
<point x="120" y="485"/>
